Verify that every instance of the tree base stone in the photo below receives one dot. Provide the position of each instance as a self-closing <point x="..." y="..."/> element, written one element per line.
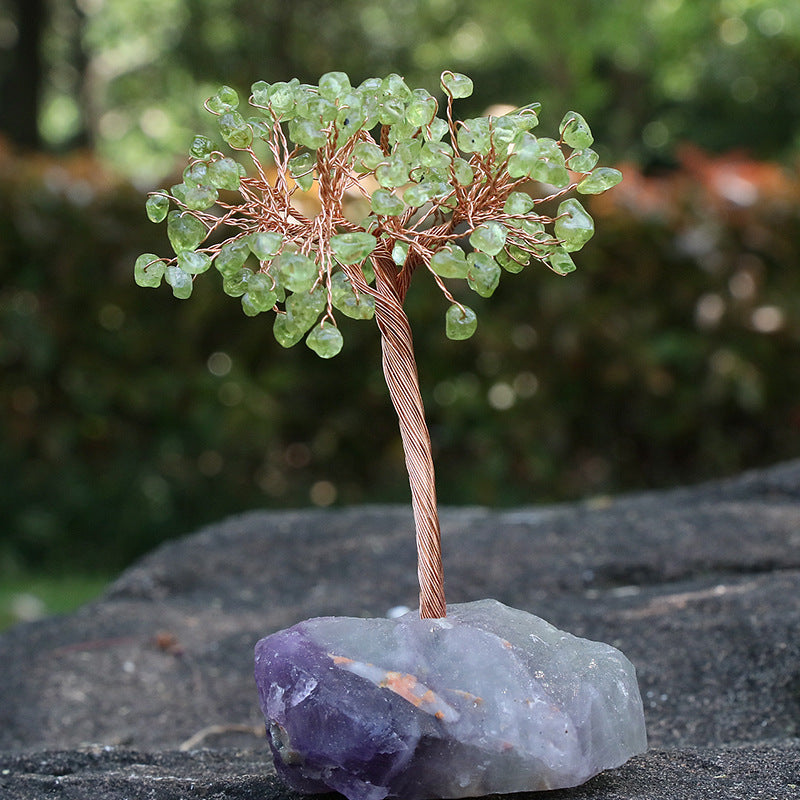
<point x="488" y="700"/>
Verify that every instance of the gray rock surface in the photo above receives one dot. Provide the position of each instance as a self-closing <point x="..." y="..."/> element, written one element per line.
<point x="719" y="773"/>
<point x="699" y="587"/>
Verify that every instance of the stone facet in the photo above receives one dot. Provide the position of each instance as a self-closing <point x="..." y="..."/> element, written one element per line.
<point x="488" y="700"/>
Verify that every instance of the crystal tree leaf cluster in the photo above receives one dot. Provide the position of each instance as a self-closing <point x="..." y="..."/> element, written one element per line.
<point x="444" y="197"/>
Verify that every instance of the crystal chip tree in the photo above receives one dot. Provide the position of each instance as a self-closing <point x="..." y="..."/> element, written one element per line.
<point x="476" y="698"/>
<point x="432" y="184"/>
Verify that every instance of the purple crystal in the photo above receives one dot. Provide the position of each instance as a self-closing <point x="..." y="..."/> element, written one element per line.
<point x="488" y="700"/>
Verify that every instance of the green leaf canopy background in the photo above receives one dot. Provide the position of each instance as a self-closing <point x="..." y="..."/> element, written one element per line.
<point x="670" y="356"/>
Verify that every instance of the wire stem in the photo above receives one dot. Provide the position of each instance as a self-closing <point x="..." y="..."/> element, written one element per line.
<point x="400" y="371"/>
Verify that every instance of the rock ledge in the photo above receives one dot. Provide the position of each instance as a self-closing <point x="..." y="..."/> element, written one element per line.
<point x="699" y="587"/>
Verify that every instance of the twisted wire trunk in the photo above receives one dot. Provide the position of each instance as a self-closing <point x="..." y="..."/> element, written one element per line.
<point x="400" y="371"/>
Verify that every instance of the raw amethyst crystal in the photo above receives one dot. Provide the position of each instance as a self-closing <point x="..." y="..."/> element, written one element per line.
<point x="488" y="700"/>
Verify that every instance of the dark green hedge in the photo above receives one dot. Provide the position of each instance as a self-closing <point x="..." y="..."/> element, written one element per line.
<point x="129" y="417"/>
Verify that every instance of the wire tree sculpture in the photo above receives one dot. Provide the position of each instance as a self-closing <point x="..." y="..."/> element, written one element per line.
<point x="430" y="182"/>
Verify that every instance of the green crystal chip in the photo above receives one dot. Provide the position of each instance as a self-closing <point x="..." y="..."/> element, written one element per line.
<point x="148" y="270"/>
<point x="253" y="305"/>
<point x="333" y="85"/>
<point x="301" y="168"/>
<point x="419" y="193"/>
<point x="301" y="164"/>
<point x="196" y="174"/>
<point x="421" y="109"/>
<point x="180" y="281"/>
<point x="528" y="109"/>
<point x="235" y="130"/>
<point x="193" y="262"/>
<point x="184" y="230"/>
<point x="200" y="198"/>
<point x="521" y="163"/>
<point x="307" y="133"/>
<point x="250" y="306"/>
<point x="462" y="172"/>
<point x="232" y="256"/>
<point x="355" y="305"/>
<point x="349" y="121"/>
<point x="543" y="246"/>
<point x="325" y="340"/>
<point x="157" y="206"/>
<point x="201" y="147"/>
<point x="282" y="99"/>
<point x="260" y="296"/>
<point x="303" y="308"/>
<point x="178" y="191"/>
<point x="369" y="154"/>
<point x="305" y="182"/>
<point x="532" y="226"/>
<point x="513" y="258"/>
<point x="504" y="132"/>
<point x="408" y="152"/>
<point x="392" y="173"/>
<point x="286" y="333"/>
<point x="321" y="110"/>
<point x="583" y="160"/>
<point x="575" y="131"/>
<point x="224" y="174"/>
<point x="548" y="149"/>
<point x="518" y="203"/>
<point x="297" y="272"/>
<point x="600" y="180"/>
<point x="474" y="136"/>
<point x="394" y="86"/>
<point x="304" y="96"/>
<point x="352" y="248"/>
<point x="264" y="245"/>
<point x="400" y="253"/>
<point x="488" y="238"/>
<point x="483" y="275"/>
<point x="456" y="84"/>
<point x="436" y="130"/>
<point x="534" y="155"/>
<point x="573" y="225"/>
<point x="234" y="284"/>
<point x="261" y="129"/>
<point x="436" y="155"/>
<point x="450" y="262"/>
<point x="226" y="99"/>
<point x="460" y="322"/>
<point x="260" y="286"/>
<point x="260" y="93"/>
<point x="551" y="173"/>
<point x="352" y="101"/>
<point x="560" y="261"/>
<point x="386" y="203"/>
<point x="526" y="117"/>
<point x="391" y="111"/>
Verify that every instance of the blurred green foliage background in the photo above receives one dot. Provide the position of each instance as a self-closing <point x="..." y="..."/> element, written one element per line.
<point x="669" y="357"/>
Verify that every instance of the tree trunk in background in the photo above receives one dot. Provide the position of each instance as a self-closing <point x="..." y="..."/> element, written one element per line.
<point x="21" y="81"/>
